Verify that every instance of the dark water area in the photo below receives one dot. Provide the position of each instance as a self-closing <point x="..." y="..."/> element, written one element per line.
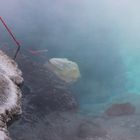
<point x="102" y="37"/>
<point x="52" y="109"/>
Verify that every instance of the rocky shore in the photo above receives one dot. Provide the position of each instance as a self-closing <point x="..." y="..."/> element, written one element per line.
<point x="10" y="93"/>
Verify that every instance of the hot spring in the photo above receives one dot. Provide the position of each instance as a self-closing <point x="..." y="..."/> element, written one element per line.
<point x="102" y="37"/>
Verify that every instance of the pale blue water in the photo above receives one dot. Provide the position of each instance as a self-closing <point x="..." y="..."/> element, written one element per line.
<point x="101" y="36"/>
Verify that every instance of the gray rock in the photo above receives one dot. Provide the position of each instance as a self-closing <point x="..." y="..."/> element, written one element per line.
<point x="47" y="92"/>
<point x="90" y="129"/>
<point x="10" y="94"/>
<point x="120" y="109"/>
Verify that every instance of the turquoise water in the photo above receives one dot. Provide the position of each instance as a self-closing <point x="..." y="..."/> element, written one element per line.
<point x="131" y="62"/>
<point x="102" y="37"/>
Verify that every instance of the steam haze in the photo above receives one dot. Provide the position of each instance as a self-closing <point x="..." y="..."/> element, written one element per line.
<point x="97" y="34"/>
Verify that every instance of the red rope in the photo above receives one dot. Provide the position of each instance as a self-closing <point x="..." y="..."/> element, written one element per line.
<point x="9" y="31"/>
<point x="17" y="43"/>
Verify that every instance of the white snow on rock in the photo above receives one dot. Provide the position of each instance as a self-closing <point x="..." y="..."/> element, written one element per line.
<point x="10" y="94"/>
<point x="9" y="67"/>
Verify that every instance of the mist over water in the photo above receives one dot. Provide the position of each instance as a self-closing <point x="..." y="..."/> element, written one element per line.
<point x="99" y="35"/>
<point x="102" y="36"/>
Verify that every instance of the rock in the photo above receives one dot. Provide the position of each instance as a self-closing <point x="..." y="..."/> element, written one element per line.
<point x="90" y="129"/>
<point x="10" y="94"/>
<point x="46" y="92"/>
<point x="10" y="68"/>
<point x="120" y="109"/>
<point x="65" y="69"/>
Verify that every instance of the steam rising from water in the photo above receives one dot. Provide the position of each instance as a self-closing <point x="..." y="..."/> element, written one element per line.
<point x="99" y="35"/>
<point x="102" y="36"/>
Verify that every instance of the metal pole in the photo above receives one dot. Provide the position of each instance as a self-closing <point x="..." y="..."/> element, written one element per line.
<point x="11" y="34"/>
